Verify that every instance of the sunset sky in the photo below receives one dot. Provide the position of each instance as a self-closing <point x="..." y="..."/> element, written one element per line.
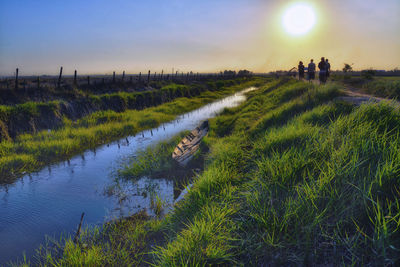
<point x="98" y="37"/>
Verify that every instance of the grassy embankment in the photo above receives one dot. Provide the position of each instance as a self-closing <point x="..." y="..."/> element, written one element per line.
<point x="28" y="152"/>
<point x="292" y="178"/>
<point x="387" y="87"/>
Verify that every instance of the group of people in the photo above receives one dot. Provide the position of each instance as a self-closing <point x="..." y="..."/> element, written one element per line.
<point x="324" y="70"/>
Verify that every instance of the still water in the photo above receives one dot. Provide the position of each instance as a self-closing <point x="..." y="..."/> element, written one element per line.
<point x="51" y="201"/>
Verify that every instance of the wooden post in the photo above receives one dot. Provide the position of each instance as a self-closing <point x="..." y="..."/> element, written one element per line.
<point x="140" y="76"/>
<point x="162" y="73"/>
<point x="16" y="78"/>
<point x="38" y="82"/>
<point x="148" y="77"/>
<point x="76" y="238"/>
<point x="113" y="77"/>
<point x="75" y="73"/>
<point x="88" y="80"/>
<point x="59" y="78"/>
<point x="123" y="75"/>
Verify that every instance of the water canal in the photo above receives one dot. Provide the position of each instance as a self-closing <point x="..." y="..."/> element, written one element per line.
<point x="50" y="201"/>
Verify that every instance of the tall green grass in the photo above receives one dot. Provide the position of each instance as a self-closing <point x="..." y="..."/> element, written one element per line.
<point x="293" y="177"/>
<point x="154" y="159"/>
<point x="313" y="182"/>
<point x="389" y="88"/>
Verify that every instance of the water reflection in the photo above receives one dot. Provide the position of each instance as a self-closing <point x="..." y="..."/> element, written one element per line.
<point x="52" y="200"/>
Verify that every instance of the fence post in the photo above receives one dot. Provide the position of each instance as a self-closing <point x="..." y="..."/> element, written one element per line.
<point x="75" y="73"/>
<point x="113" y="77"/>
<point x="88" y="80"/>
<point x="148" y="77"/>
<point x="162" y="73"/>
<point x="123" y="75"/>
<point x="38" y="82"/>
<point x="140" y="76"/>
<point x="59" y="78"/>
<point x="16" y="78"/>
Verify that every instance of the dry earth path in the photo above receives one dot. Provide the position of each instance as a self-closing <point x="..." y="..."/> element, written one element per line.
<point x="355" y="96"/>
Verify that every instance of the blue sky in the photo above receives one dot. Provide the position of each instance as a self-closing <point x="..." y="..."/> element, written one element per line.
<point x="209" y="35"/>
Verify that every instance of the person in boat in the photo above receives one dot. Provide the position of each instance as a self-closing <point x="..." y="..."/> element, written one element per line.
<point x="311" y="70"/>
<point x="322" y="71"/>
<point x="301" y="70"/>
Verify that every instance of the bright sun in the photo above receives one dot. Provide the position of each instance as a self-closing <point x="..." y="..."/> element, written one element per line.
<point x="299" y="19"/>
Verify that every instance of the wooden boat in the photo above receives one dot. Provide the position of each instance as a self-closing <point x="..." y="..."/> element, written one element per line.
<point x="185" y="150"/>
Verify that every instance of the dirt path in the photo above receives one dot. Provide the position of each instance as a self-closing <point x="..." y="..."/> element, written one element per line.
<point x="355" y="96"/>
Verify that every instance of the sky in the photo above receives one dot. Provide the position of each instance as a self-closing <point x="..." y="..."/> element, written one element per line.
<point x="98" y="37"/>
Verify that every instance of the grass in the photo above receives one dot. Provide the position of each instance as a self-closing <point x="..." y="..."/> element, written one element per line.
<point x="118" y="243"/>
<point x="293" y="177"/>
<point x="29" y="152"/>
<point x="153" y="160"/>
<point x="387" y="87"/>
<point x="32" y="117"/>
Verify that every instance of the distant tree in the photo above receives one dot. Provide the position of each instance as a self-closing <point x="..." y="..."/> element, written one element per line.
<point x="347" y="68"/>
<point x="368" y="74"/>
<point x="244" y="73"/>
<point x="229" y="73"/>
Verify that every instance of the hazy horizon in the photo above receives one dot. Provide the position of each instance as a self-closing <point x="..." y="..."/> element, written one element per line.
<point x="98" y="37"/>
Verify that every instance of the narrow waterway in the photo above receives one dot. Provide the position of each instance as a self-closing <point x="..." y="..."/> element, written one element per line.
<point x="51" y="201"/>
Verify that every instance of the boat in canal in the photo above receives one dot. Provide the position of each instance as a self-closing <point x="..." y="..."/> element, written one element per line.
<point x="185" y="150"/>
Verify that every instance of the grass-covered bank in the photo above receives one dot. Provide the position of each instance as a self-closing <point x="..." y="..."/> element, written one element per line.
<point x="34" y="116"/>
<point x="292" y="178"/>
<point x="387" y="87"/>
<point x="29" y="152"/>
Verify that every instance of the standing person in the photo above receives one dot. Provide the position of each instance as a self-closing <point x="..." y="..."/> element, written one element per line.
<point x="301" y="70"/>
<point x="328" y="68"/>
<point x="322" y="70"/>
<point x="311" y="70"/>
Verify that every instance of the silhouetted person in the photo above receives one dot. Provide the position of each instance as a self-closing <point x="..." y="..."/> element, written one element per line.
<point x="311" y="70"/>
<point x="322" y="70"/>
<point x="301" y="70"/>
<point x="328" y="68"/>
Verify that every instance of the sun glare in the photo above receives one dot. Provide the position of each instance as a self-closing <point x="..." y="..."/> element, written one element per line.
<point x="299" y="19"/>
